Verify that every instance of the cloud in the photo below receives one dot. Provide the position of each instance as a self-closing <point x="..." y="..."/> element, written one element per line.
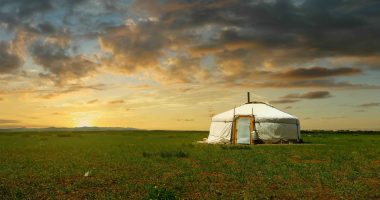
<point x="20" y="10"/>
<point x="9" y="121"/>
<point x="26" y="8"/>
<point x="134" y="47"/>
<point x="249" y="37"/>
<point x="92" y="101"/>
<point x="59" y="65"/>
<point x="224" y="42"/>
<point x="316" y="95"/>
<point x="324" y="83"/>
<point x="369" y="105"/>
<point x="326" y="35"/>
<point x="317" y="72"/>
<point x="66" y="89"/>
<point x="57" y="113"/>
<point x="334" y="117"/>
<point x="13" y="13"/>
<point x="185" y="120"/>
<point x="283" y="101"/>
<point x="9" y="60"/>
<point x="309" y="95"/>
<point x="182" y="69"/>
<point x="55" y="92"/>
<point x="292" y="98"/>
<point x="116" y="102"/>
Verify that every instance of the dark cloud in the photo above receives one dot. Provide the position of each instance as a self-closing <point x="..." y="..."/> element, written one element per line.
<point x="134" y="49"/>
<point x="47" y="28"/>
<point x="9" y="60"/>
<point x="309" y="95"/>
<point x="134" y="46"/>
<point x="8" y="121"/>
<point x="316" y="95"/>
<point x="168" y="41"/>
<point x="116" y="102"/>
<point x="326" y="83"/>
<point x="328" y="27"/>
<point x="15" y="13"/>
<point x="235" y="75"/>
<point x="317" y="72"/>
<point x="255" y="31"/>
<point x="183" y="69"/>
<point x="334" y="117"/>
<point x="292" y="98"/>
<point x="60" y="66"/>
<point x="299" y="34"/>
<point x="325" y="26"/>
<point x="369" y="105"/>
<point x="92" y="101"/>
<point x="26" y="8"/>
<point x="283" y="101"/>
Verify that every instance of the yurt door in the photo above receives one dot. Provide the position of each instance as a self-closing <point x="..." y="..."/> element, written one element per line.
<point x="244" y="127"/>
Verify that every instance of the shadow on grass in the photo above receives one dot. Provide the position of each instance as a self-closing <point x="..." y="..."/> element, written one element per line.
<point x="64" y="135"/>
<point x="167" y="154"/>
<point x="236" y="147"/>
<point x="249" y="147"/>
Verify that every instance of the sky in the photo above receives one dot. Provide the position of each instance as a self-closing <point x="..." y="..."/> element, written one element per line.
<point x="166" y="64"/>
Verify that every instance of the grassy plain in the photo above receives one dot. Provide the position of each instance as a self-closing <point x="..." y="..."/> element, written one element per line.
<point x="149" y="164"/>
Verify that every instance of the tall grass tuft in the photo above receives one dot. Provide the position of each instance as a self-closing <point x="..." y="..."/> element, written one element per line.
<point x="160" y="193"/>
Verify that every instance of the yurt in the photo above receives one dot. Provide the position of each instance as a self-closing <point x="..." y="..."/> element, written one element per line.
<point x="254" y="123"/>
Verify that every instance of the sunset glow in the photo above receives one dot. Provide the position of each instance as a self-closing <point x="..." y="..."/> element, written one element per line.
<point x="84" y="120"/>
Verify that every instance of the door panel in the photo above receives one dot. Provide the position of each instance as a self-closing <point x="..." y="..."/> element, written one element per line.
<point x="243" y="127"/>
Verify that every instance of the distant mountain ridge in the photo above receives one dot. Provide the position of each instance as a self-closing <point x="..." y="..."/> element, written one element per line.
<point x="93" y="128"/>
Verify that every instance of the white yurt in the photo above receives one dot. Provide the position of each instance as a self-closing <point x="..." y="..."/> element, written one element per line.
<point x="252" y="123"/>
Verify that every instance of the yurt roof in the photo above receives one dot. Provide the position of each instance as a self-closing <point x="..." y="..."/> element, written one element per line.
<point x="263" y="112"/>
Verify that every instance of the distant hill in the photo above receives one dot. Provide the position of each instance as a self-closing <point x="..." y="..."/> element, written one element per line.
<point x="68" y="129"/>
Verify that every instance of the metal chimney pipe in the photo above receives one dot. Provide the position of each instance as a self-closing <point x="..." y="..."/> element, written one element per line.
<point x="248" y="98"/>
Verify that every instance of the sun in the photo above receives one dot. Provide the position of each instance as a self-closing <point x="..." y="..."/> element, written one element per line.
<point x="84" y="119"/>
<point x="84" y="123"/>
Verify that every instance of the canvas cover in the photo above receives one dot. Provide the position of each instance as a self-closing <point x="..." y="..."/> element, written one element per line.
<point x="271" y="124"/>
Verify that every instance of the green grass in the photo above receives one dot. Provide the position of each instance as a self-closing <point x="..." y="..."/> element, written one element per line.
<point x="164" y="165"/>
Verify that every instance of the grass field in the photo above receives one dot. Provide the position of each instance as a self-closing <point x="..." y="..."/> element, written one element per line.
<point x="149" y="164"/>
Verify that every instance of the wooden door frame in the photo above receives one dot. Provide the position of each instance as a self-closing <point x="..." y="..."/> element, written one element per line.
<point x="251" y="127"/>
